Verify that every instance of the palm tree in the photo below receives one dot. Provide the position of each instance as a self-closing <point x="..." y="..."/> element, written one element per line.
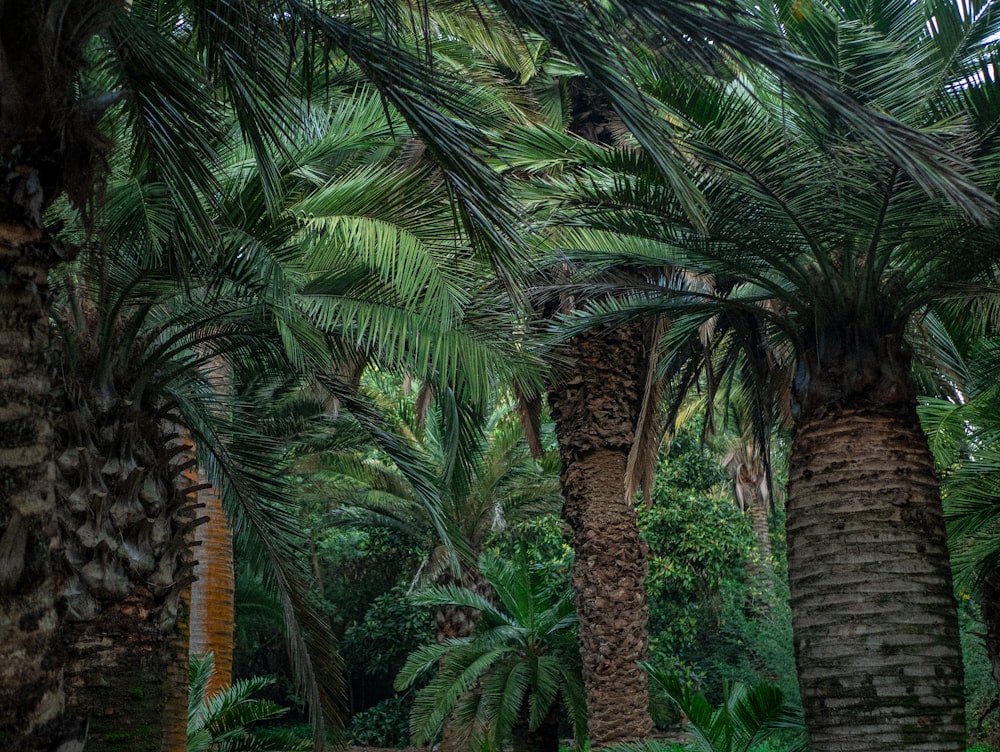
<point x="145" y="355"/>
<point x="222" y="720"/>
<point x="50" y="144"/>
<point x="499" y="484"/>
<point x="504" y="680"/>
<point x="824" y="261"/>
<point x="963" y="434"/>
<point x="167" y="71"/>
<point x="747" y="717"/>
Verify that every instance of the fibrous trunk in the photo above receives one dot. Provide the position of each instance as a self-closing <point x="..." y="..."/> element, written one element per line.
<point x="596" y="409"/>
<point x="46" y="147"/>
<point x="126" y="513"/>
<point x="873" y="611"/>
<point x="31" y="670"/>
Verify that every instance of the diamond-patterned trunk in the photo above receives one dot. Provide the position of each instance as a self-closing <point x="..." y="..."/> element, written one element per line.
<point x="126" y="515"/>
<point x="595" y="409"/>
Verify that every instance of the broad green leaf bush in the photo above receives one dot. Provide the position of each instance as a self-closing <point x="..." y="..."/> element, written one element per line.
<point x="697" y="543"/>
<point x="385" y="724"/>
<point x="511" y="677"/>
<point x="748" y="716"/>
<point x="392" y="627"/>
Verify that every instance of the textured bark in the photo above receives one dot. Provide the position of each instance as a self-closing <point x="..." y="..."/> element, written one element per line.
<point x="31" y="675"/>
<point x="757" y="512"/>
<point x="116" y="675"/>
<point x="213" y="606"/>
<point x="758" y="571"/>
<point x="48" y="145"/>
<point x="177" y="681"/>
<point x="457" y="621"/>
<point x="873" y="613"/>
<point x="175" y="711"/>
<point x="595" y="411"/>
<point x="991" y="621"/>
<point x="126" y="514"/>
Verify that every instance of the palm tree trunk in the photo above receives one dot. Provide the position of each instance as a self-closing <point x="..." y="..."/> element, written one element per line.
<point x="44" y="148"/>
<point x="757" y="512"/>
<point x="991" y="621"/>
<point x="874" y="617"/>
<point x="454" y="622"/>
<point x="31" y="671"/>
<point x="758" y="570"/>
<point x="595" y="411"/>
<point x="213" y="606"/>
<point x="125" y="494"/>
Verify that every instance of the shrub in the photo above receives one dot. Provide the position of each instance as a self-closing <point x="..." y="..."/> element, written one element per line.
<point x="383" y="725"/>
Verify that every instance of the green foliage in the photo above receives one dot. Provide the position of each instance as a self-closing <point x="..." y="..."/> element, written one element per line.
<point x="980" y="687"/>
<point x="521" y="660"/>
<point x="697" y="543"/>
<point x="759" y="645"/>
<point x="224" y="721"/>
<point x="690" y="465"/>
<point x="705" y="625"/>
<point x="385" y="724"/>
<point x="392" y="627"/>
<point x="357" y="564"/>
<point x="544" y="540"/>
<point x="748" y="715"/>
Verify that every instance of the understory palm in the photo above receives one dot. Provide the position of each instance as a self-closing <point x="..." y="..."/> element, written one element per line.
<point x="509" y="677"/>
<point x="480" y="488"/>
<point x="750" y="715"/>
<point x="223" y="721"/>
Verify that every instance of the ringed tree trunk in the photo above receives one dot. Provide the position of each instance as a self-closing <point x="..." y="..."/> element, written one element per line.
<point x="758" y="571"/>
<point x="873" y="612"/>
<point x="596" y="410"/>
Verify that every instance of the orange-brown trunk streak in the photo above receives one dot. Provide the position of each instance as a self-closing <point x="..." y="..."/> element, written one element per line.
<point x="213" y="593"/>
<point x="873" y="611"/>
